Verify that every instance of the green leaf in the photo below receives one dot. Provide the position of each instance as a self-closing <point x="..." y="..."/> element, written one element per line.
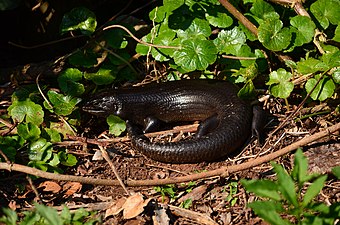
<point x="50" y="214"/>
<point x="40" y="150"/>
<point x="336" y="171"/>
<point x="267" y="210"/>
<point x="195" y="54"/>
<point x="198" y="29"/>
<point x="67" y="159"/>
<point x="28" y="131"/>
<point x="304" y="28"/>
<point x="260" y="8"/>
<point x="326" y="11"/>
<point x="158" y="14"/>
<point x="101" y="77"/>
<point x="53" y="135"/>
<point x="217" y="16"/>
<point x="171" y="5"/>
<point x="272" y="36"/>
<point x="313" y="190"/>
<point x="311" y="65"/>
<point x="230" y="41"/>
<point x="68" y="82"/>
<point x="164" y="38"/>
<point x="10" y="217"/>
<point x="247" y="90"/>
<point x="81" y="19"/>
<point x="26" y="110"/>
<point x="262" y="188"/>
<point x="337" y="33"/>
<point x="54" y="161"/>
<point x="331" y="59"/>
<point x="62" y="105"/>
<point x="299" y="172"/>
<point x="116" y="125"/>
<point x="323" y="90"/>
<point x="286" y="185"/>
<point x="280" y="85"/>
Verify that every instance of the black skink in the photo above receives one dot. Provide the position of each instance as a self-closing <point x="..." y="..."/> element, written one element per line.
<point x="226" y="120"/>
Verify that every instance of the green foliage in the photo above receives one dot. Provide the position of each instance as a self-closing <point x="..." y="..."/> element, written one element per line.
<point x="280" y="85"/>
<point x="79" y="19"/>
<point x="286" y="197"/>
<point x="116" y="125"/>
<point x="44" y="215"/>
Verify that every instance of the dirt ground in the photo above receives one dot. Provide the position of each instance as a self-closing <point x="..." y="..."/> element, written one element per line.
<point x="213" y="200"/>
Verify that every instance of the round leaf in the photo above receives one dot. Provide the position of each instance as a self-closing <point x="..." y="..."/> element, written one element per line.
<point x="195" y="54"/>
<point x="101" y="77"/>
<point x="197" y="28"/>
<point x="116" y="125"/>
<point x="81" y="19"/>
<point x="68" y="82"/>
<point x="303" y="28"/>
<point x="40" y="150"/>
<point x="326" y="11"/>
<point x="62" y="105"/>
<point x="280" y="86"/>
<point x="323" y="90"/>
<point x="272" y="36"/>
<point x="230" y="41"/>
<point x="26" y="110"/>
<point x="28" y="131"/>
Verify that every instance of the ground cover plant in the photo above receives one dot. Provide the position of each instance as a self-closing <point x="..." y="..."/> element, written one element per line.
<point x="286" y="52"/>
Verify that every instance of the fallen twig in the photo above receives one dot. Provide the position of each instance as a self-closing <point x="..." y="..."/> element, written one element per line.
<point x="223" y="171"/>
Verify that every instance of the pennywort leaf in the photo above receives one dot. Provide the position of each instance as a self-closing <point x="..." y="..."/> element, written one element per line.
<point x="323" y="90"/>
<point x="280" y="85"/>
<point x="272" y="35"/>
<point x="62" y="105"/>
<point x="27" y="111"/>
<point x="81" y="19"/>
<point x="116" y="125"/>
<point x="68" y="82"/>
<point x="195" y="54"/>
<point x="326" y="11"/>
<point x="28" y="131"/>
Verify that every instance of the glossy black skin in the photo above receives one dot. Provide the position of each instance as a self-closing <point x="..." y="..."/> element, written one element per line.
<point x="226" y="120"/>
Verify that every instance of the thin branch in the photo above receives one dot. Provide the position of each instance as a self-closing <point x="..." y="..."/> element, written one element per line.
<point x="107" y="158"/>
<point x="223" y="171"/>
<point x="138" y="40"/>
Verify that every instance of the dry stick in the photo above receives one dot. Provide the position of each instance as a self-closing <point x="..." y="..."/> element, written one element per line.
<point x="223" y="171"/>
<point x="138" y="40"/>
<point x="103" y="142"/>
<point x="107" y="158"/>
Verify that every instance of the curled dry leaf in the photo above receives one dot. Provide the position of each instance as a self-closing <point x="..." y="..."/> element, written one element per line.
<point x="115" y="208"/>
<point x="71" y="188"/>
<point x="134" y="206"/>
<point x="50" y="186"/>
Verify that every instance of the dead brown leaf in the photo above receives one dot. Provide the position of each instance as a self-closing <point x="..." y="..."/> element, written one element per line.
<point x="50" y="186"/>
<point x="134" y="206"/>
<point x="115" y="208"/>
<point x="71" y="188"/>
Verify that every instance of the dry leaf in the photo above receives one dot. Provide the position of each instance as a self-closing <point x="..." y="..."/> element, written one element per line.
<point x="71" y="188"/>
<point x="115" y="208"/>
<point x="50" y="186"/>
<point x="134" y="206"/>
